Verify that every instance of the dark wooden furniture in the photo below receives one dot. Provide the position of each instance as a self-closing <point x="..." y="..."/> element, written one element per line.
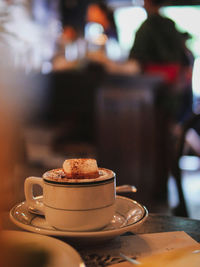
<point x="132" y="133"/>
<point x="156" y="223"/>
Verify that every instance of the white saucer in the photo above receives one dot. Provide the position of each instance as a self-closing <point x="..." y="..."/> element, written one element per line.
<point x="59" y="253"/>
<point x="128" y="215"/>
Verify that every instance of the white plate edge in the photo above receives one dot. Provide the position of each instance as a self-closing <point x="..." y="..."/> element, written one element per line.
<point x="64" y="245"/>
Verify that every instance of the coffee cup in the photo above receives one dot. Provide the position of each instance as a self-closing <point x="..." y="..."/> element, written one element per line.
<point x="74" y="203"/>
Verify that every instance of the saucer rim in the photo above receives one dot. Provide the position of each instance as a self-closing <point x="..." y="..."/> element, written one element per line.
<point x="80" y="234"/>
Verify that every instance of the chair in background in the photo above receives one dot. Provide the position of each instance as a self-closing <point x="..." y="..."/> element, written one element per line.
<point x="191" y="123"/>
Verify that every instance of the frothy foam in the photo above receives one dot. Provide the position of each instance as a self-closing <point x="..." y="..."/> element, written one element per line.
<point x="81" y="168"/>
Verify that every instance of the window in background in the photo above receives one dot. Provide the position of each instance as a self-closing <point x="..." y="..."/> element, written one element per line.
<point x="187" y="20"/>
<point x="128" y="20"/>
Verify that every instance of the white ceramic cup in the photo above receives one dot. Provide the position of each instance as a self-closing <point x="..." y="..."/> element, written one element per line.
<point x="74" y="204"/>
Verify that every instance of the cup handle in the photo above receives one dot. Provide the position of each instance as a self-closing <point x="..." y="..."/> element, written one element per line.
<point x="32" y="202"/>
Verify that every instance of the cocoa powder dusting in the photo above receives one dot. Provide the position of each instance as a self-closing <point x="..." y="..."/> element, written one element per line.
<point x="60" y="176"/>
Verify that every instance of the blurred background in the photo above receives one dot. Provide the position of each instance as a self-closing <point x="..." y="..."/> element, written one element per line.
<point x="70" y="88"/>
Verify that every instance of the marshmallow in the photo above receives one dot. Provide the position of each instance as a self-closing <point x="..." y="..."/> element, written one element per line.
<point x="81" y="168"/>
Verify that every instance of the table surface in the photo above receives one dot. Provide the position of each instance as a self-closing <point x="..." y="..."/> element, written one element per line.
<point x="95" y="254"/>
<point x="155" y="223"/>
<point x="164" y="223"/>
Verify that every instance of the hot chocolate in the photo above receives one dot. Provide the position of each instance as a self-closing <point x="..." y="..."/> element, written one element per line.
<point x="59" y="175"/>
<point x="78" y="170"/>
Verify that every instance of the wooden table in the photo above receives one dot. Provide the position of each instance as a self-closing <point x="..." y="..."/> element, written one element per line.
<point x="109" y="252"/>
<point x="103" y="254"/>
<point x="165" y="223"/>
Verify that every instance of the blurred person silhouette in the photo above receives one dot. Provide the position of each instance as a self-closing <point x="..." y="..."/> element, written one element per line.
<point x="160" y="49"/>
<point x="101" y="13"/>
<point x="157" y="40"/>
